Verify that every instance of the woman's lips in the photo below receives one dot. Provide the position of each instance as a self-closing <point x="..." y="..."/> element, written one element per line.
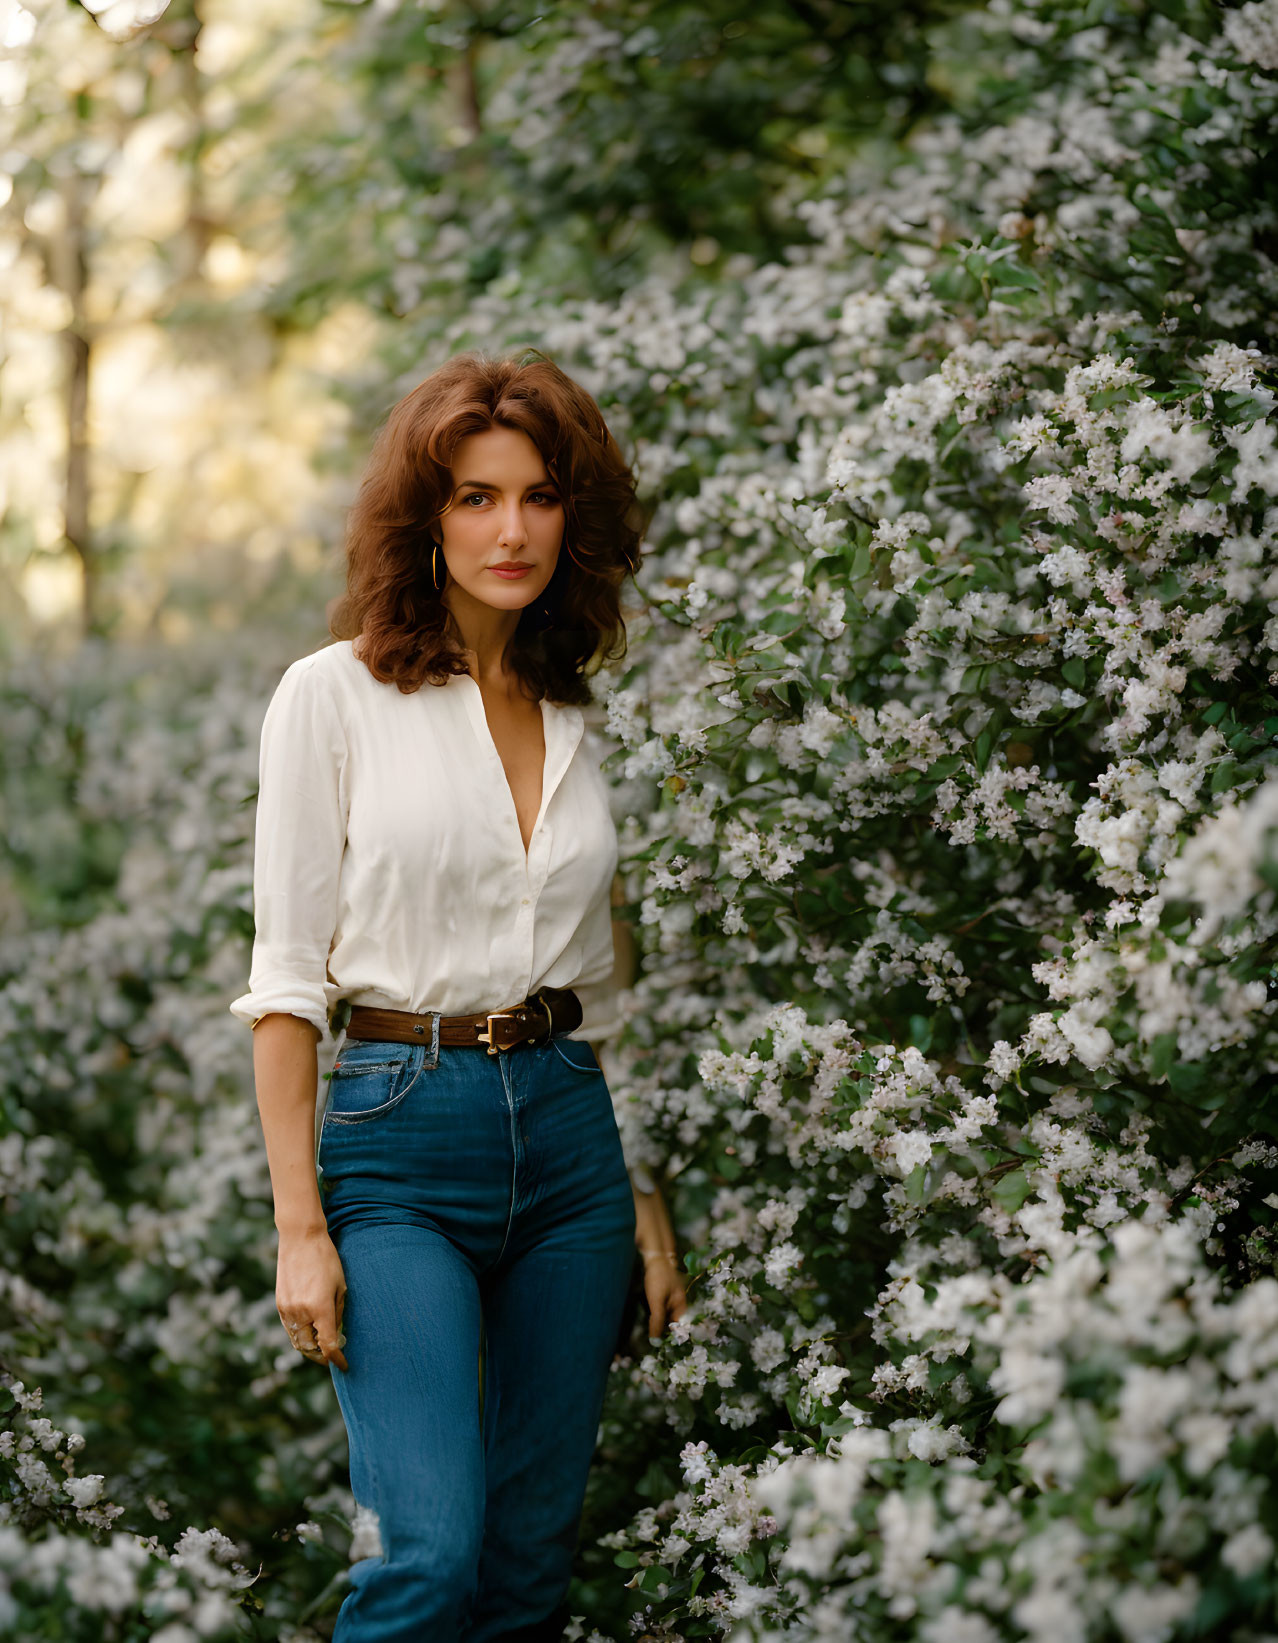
<point x="511" y="574"/>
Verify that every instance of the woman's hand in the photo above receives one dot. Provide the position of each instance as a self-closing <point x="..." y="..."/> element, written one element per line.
<point x="663" y="1284"/>
<point x="664" y="1289"/>
<point x="309" y="1285"/>
<point x="310" y="1291"/>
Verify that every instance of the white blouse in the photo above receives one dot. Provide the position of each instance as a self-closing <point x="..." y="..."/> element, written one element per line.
<point x="389" y="868"/>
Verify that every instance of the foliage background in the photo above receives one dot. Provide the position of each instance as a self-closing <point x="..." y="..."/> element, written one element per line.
<point x="942" y="338"/>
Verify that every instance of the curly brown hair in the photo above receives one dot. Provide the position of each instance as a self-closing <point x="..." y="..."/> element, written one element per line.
<point x="391" y="603"/>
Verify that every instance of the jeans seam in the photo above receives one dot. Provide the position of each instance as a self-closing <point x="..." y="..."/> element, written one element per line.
<point x="502" y="1068"/>
<point x="386" y="1106"/>
<point x="416" y="1075"/>
<point x="569" y="1062"/>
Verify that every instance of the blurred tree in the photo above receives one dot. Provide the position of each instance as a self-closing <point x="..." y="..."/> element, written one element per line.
<point x="153" y="418"/>
<point x="569" y="147"/>
<point x="80" y="89"/>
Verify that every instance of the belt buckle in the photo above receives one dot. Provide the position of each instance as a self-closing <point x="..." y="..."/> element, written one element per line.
<point x="487" y="1038"/>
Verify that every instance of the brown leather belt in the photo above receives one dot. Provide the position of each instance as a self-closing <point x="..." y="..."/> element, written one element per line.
<point x="549" y="1010"/>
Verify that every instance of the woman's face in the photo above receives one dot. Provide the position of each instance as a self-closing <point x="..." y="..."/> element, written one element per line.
<point x="506" y="510"/>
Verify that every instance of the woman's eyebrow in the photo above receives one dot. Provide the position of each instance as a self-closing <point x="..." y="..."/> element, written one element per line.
<point x="484" y="485"/>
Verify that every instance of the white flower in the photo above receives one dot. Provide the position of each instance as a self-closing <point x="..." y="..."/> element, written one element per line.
<point x="932" y="1442"/>
<point x="1247" y="1551"/>
<point x="1151" y="1614"/>
<point x="955" y="1625"/>
<point x="1257" y="458"/>
<point x="1031" y="1383"/>
<point x="780" y="1262"/>
<point x="827" y="1380"/>
<point x="768" y="1349"/>
<point x="366" y="1540"/>
<point x="697" y="1462"/>
<point x="1092" y="1043"/>
<point x="84" y="1491"/>
<point x="910" y="1148"/>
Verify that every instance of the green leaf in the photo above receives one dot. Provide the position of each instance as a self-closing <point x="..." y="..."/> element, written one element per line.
<point x="1074" y="671"/>
<point x="1187" y="1079"/>
<point x="1011" y="273"/>
<point x="1223" y="775"/>
<point x="1010" y="1191"/>
<point x="1163" y="1055"/>
<point x="941" y="1374"/>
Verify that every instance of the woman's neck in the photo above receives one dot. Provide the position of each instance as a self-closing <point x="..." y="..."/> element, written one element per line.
<point x="485" y="634"/>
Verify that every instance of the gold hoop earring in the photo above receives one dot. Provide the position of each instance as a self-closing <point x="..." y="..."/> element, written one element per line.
<point x="434" y="567"/>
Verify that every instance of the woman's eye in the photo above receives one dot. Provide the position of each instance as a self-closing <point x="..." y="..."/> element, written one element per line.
<point x="544" y="496"/>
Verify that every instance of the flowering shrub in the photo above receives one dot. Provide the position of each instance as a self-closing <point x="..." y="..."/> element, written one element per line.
<point x="138" y="1245"/>
<point x="89" y="1584"/>
<point x="954" y="709"/>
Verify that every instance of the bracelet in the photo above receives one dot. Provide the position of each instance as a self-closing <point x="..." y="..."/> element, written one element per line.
<point x="651" y="1254"/>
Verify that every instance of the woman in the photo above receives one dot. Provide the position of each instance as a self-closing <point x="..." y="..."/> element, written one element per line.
<point x="433" y="865"/>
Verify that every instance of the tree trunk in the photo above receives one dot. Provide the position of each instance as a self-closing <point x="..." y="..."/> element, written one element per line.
<point x="76" y="505"/>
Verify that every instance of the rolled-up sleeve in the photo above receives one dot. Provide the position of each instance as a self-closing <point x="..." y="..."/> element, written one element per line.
<point x="300" y="834"/>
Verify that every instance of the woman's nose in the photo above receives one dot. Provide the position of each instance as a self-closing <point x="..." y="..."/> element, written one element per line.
<point x="512" y="526"/>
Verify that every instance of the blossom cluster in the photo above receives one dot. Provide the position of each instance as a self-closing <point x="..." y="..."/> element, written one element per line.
<point x="947" y="747"/>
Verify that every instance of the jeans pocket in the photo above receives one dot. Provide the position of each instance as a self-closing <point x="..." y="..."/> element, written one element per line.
<point x="576" y="1053"/>
<point x="371" y="1078"/>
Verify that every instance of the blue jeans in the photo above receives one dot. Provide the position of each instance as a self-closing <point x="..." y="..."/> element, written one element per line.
<point x="483" y="1215"/>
